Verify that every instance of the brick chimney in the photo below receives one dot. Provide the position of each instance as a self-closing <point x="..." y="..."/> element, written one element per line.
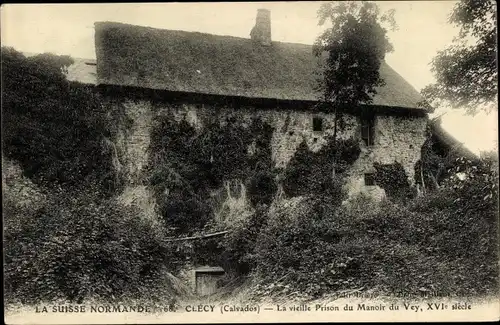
<point x="261" y="32"/>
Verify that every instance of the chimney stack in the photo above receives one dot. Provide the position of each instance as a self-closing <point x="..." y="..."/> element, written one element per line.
<point x="261" y="32"/>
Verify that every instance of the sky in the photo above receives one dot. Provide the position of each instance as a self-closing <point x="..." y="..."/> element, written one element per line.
<point x="423" y="31"/>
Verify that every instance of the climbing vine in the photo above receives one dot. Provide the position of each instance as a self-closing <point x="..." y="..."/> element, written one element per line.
<point x="187" y="166"/>
<point x="393" y="179"/>
<point x="311" y="172"/>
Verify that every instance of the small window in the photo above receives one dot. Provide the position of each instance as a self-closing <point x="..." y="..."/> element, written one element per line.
<point x="291" y="133"/>
<point x="367" y="129"/>
<point x="369" y="179"/>
<point x="315" y="140"/>
<point x="317" y="124"/>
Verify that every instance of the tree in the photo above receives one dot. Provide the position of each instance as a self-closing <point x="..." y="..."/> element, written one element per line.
<point x="354" y="46"/>
<point x="54" y="128"/>
<point x="433" y="167"/>
<point x="466" y="72"/>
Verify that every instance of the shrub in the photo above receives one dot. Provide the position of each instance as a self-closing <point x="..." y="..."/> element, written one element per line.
<point x="238" y="247"/>
<point x="299" y="251"/>
<point x="317" y="247"/>
<point x="76" y="247"/>
<point x="457" y="249"/>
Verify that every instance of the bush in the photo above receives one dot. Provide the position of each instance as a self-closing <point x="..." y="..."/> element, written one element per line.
<point x="262" y="187"/>
<point x="427" y="246"/>
<point x="303" y="248"/>
<point x="238" y="247"/>
<point x="76" y="247"/>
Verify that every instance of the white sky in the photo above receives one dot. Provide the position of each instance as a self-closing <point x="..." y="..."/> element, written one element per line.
<point x="423" y="30"/>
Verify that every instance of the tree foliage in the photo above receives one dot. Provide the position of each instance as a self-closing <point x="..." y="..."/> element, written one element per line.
<point x="466" y="72"/>
<point x="353" y="46"/>
<point x="440" y="162"/>
<point x="54" y="128"/>
<point x="356" y="44"/>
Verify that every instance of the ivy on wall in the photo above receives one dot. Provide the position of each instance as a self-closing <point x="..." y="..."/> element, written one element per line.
<point x="311" y="172"/>
<point x="187" y="165"/>
<point x="393" y="179"/>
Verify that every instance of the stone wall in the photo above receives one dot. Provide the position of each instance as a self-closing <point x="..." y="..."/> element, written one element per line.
<point x="397" y="139"/>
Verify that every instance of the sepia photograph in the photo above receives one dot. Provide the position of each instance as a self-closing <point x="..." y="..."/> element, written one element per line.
<point x="245" y="162"/>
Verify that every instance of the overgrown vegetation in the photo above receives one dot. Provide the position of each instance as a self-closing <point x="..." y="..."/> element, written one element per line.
<point x="55" y="129"/>
<point x="76" y="242"/>
<point x="393" y="179"/>
<point x="187" y="167"/>
<point x="444" y="242"/>
<point x="434" y="165"/>
<point x="77" y="246"/>
<point x="309" y="172"/>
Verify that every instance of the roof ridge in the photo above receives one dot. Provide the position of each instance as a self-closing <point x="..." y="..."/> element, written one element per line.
<point x="193" y="32"/>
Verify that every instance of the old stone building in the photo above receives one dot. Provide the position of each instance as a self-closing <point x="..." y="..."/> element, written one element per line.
<point x="147" y="72"/>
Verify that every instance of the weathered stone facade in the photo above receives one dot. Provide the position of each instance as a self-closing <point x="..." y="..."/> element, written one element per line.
<point x="397" y="139"/>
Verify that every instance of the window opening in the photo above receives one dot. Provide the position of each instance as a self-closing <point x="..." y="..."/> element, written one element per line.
<point x="367" y="129"/>
<point x="317" y="124"/>
<point x="369" y="179"/>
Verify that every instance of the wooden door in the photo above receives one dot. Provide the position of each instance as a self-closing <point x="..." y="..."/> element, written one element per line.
<point x="206" y="283"/>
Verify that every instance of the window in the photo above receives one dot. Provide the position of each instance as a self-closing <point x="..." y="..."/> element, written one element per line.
<point x="317" y="124"/>
<point x="367" y="129"/>
<point x="369" y="179"/>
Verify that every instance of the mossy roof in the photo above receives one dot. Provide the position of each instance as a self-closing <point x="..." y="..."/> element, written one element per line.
<point x="82" y="70"/>
<point x="145" y="57"/>
<point x="449" y="141"/>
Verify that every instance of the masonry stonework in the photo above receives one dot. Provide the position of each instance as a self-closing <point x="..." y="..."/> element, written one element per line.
<point x="397" y="139"/>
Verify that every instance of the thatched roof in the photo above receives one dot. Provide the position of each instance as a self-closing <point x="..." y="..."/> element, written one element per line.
<point x="129" y="55"/>
<point x="83" y="70"/>
<point x="449" y="142"/>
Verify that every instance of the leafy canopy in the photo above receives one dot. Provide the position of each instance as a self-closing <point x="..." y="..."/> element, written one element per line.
<point x="355" y="43"/>
<point x="466" y="71"/>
